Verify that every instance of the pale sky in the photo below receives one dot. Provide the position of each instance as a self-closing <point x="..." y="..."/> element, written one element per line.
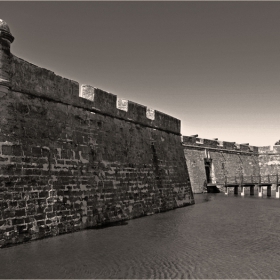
<point x="213" y="65"/>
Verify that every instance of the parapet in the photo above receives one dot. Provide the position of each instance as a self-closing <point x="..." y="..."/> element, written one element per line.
<point x="269" y="149"/>
<point x="19" y="75"/>
<point x="110" y="104"/>
<point x="195" y="141"/>
<point x="29" y="78"/>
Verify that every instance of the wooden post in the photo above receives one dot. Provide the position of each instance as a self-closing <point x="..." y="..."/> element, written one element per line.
<point x="252" y="190"/>
<point x="241" y="185"/>
<point x="242" y="190"/>
<point x="226" y="190"/>
<point x="268" y="190"/>
<point x="277" y="187"/>
<point x="260" y="191"/>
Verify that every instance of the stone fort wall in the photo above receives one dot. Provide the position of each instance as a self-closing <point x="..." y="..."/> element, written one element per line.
<point x="76" y="157"/>
<point x="269" y="160"/>
<point x="69" y="162"/>
<point x="225" y="159"/>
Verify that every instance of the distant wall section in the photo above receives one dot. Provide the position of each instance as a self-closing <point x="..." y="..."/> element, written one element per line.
<point x="212" y="161"/>
<point x="269" y="158"/>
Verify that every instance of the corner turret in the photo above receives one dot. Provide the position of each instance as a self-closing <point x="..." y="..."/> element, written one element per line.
<point x="6" y="38"/>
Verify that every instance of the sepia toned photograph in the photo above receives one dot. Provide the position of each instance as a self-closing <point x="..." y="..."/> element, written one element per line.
<point x="139" y="139"/>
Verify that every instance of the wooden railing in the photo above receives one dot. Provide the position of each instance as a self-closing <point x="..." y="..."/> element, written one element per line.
<point x="250" y="180"/>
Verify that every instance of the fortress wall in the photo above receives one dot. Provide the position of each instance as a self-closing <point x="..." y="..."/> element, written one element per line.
<point x="33" y="80"/>
<point x="234" y="165"/>
<point x="226" y="159"/>
<point x="69" y="162"/>
<point x="269" y="160"/>
<point x="28" y="78"/>
<point x="195" y="162"/>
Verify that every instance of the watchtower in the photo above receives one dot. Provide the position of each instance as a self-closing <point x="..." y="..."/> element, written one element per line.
<point x="6" y="38"/>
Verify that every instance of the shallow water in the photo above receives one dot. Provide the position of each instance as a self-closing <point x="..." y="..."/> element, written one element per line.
<point x="218" y="237"/>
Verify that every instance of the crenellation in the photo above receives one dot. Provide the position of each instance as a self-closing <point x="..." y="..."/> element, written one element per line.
<point x="196" y="143"/>
<point x="33" y="80"/>
<point x="244" y="148"/>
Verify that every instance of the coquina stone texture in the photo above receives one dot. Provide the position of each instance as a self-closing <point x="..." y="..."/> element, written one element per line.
<point x="70" y="162"/>
<point x="226" y="161"/>
<point x="74" y="157"/>
<point x="269" y="160"/>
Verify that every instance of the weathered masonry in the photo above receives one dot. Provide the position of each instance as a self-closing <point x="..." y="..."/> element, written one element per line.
<point x="226" y="166"/>
<point x="69" y="162"/>
<point x="269" y="160"/>
<point x="211" y="162"/>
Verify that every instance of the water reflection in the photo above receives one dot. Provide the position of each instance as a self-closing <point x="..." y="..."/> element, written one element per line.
<point x="218" y="237"/>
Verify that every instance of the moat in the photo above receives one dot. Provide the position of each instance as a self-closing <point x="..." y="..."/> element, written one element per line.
<point x="218" y="237"/>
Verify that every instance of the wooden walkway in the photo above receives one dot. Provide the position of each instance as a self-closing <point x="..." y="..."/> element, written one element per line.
<point x="251" y="181"/>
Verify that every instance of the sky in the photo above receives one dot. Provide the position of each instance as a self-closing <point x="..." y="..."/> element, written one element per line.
<point x="213" y="65"/>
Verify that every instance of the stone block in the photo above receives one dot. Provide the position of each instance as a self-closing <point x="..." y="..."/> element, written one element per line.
<point x="16" y="150"/>
<point x="20" y="212"/>
<point x="7" y="150"/>
<point x="36" y="151"/>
